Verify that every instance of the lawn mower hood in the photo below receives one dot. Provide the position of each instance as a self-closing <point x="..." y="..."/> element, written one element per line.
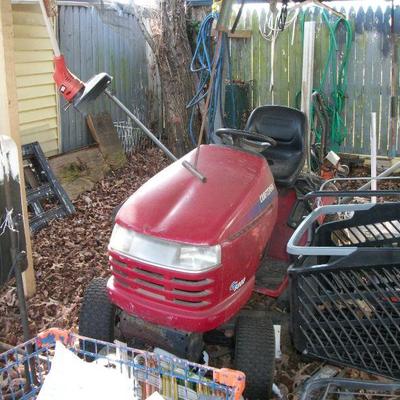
<point x="176" y="206"/>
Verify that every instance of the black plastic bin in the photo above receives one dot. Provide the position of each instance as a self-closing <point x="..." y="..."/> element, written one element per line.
<point x="345" y="287"/>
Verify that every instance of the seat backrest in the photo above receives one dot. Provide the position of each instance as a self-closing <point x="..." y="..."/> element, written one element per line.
<point x="288" y="127"/>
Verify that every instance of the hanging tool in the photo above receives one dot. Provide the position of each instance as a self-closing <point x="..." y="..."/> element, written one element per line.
<point x="237" y="19"/>
<point x="283" y="15"/>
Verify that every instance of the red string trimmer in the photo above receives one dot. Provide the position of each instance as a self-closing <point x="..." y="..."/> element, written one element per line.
<point x="72" y="89"/>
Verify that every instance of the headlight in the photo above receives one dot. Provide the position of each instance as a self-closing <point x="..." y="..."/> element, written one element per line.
<point x="164" y="253"/>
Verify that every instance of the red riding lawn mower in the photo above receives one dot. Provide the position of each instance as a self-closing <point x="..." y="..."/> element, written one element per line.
<point x="184" y="254"/>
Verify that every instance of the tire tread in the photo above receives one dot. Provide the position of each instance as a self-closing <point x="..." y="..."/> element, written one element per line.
<point x="255" y="355"/>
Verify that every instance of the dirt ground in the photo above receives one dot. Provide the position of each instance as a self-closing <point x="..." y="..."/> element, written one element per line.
<point x="70" y="252"/>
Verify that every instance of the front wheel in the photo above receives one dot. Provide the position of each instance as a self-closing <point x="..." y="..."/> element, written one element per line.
<point x="97" y="316"/>
<point x="255" y="355"/>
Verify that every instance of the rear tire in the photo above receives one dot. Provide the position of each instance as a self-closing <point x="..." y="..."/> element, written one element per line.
<point x="255" y="355"/>
<point x="97" y="315"/>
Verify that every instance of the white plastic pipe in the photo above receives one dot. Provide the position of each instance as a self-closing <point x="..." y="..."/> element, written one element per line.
<point x="373" y="154"/>
<point x="307" y="82"/>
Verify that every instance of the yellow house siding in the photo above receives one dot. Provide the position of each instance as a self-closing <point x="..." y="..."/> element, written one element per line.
<point x="36" y="92"/>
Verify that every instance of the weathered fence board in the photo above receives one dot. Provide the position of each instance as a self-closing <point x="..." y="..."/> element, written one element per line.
<point x="368" y="75"/>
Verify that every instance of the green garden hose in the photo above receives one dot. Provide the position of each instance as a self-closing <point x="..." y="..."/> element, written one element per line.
<point x="335" y="100"/>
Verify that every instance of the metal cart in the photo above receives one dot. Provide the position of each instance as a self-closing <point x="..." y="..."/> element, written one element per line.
<point x="23" y="369"/>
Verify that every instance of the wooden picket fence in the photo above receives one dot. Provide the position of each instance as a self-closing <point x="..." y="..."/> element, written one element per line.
<point x="369" y="69"/>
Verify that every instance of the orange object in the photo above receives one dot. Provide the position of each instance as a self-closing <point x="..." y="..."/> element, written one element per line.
<point x="53" y="334"/>
<point x="232" y="378"/>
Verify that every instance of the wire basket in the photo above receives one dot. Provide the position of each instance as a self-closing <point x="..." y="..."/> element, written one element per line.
<point x="23" y="369"/>
<point x="349" y="389"/>
<point x="131" y="137"/>
<point x="345" y="288"/>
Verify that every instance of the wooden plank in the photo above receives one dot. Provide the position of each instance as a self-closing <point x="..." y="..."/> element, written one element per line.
<point x="37" y="115"/>
<point x="103" y="131"/>
<point x="42" y="136"/>
<point x="76" y="181"/>
<point x="49" y="147"/>
<point x="321" y="46"/>
<point x="32" y="44"/>
<point x="238" y="34"/>
<point x="32" y="92"/>
<point x="32" y="8"/>
<point x="369" y="89"/>
<point x="352" y="76"/>
<point x="281" y="68"/>
<point x="29" y="69"/>
<point x="324" y="52"/>
<point x="360" y="45"/>
<point x="38" y="126"/>
<point x="265" y="62"/>
<point x="385" y="84"/>
<point x="27" y="17"/>
<point x="247" y="51"/>
<point x="31" y="32"/>
<point x="234" y="58"/>
<point x="35" y="80"/>
<point x="9" y="123"/>
<point x="295" y="64"/>
<point x="242" y="60"/>
<point x="22" y="56"/>
<point x="255" y="65"/>
<point x="376" y="82"/>
<point x="37" y="104"/>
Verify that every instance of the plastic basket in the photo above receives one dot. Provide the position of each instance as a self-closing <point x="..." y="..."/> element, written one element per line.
<point x="334" y="389"/>
<point x="23" y="369"/>
<point x="345" y="288"/>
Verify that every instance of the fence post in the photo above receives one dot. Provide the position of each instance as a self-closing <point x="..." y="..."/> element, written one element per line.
<point x="9" y="124"/>
<point x="373" y="154"/>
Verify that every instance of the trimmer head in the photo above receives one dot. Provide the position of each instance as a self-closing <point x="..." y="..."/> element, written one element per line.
<point x="93" y="88"/>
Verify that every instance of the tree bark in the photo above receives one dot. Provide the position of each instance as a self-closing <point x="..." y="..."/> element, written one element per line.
<point x="167" y="37"/>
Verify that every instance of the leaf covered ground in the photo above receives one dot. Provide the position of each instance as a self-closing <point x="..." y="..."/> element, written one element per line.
<point x="70" y="252"/>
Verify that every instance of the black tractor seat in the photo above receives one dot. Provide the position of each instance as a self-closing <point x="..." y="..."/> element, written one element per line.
<point x="287" y="126"/>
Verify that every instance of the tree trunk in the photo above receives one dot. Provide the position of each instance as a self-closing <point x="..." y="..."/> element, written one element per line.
<point x="168" y="39"/>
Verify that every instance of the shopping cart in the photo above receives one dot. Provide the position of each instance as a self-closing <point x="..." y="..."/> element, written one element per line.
<point x="23" y="369"/>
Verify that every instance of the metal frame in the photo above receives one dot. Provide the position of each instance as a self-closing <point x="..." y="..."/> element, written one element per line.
<point x="51" y="188"/>
<point x="293" y="246"/>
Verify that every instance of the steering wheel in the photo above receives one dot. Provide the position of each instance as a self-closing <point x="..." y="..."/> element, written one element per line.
<point x="242" y="134"/>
